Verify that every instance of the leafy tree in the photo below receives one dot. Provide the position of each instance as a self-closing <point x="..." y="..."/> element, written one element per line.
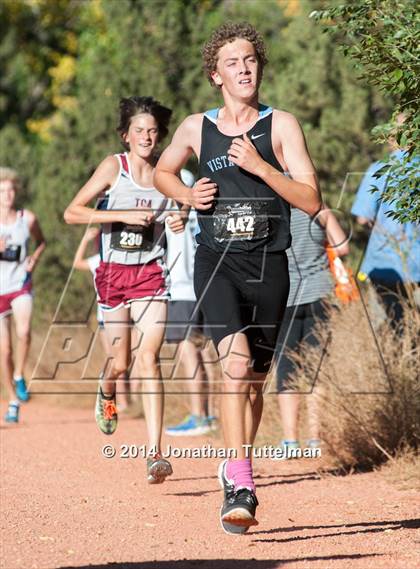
<point x="310" y="78"/>
<point x="110" y="65"/>
<point x="37" y="58"/>
<point x="141" y="47"/>
<point x="382" y="37"/>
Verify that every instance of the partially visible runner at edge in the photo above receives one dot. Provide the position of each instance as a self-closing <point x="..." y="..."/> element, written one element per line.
<point x="185" y="327"/>
<point x="17" y="228"/>
<point x="131" y="280"/>
<point x="244" y="149"/>
<point x="308" y="305"/>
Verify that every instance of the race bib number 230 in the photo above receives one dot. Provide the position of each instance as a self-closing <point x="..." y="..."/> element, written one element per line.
<point x="126" y="237"/>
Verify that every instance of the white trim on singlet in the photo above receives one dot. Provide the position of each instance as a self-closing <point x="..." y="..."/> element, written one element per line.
<point x="21" y="214"/>
<point x="263" y="112"/>
<point x="212" y="115"/>
<point x="132" y="179"/>
<point x="130" y="176"/>
<point x="114" y="185"/>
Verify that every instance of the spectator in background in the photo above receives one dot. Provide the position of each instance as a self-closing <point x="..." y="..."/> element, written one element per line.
<point x="392" y="257"/>
<point x="310" y="285"/>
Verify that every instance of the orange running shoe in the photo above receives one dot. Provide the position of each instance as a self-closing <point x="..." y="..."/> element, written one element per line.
<point x="106" y="413"/>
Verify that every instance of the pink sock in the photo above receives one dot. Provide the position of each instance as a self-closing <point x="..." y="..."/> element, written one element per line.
<point x="240" y="471"/>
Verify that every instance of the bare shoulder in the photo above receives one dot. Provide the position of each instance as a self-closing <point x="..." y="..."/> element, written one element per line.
<point x="110" y="164"/>
<point x="188" y="134"/>
<point x="285" y="121"/>
<point x="30" y="216"/>
<point x="192" y="123"/>
<point x="289" y="145"/>
<point x="107" y="171"/>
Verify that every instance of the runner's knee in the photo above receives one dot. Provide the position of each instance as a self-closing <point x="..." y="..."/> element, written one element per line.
<point x="5" y="351"/>
<point x="118" y="368"/>
<point x="146" y="359"/>
<point x="23" y="333"/>
<point x="237" y="370"/>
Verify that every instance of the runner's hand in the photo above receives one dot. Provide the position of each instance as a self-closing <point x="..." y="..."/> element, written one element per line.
<point x="202" y="194"/>
<point x="176" y="222"/>
<point x="30" y="263"/>
<point x="244" y="154"/>
<point x="137" y="217"/>
<point x="3" y="245"/>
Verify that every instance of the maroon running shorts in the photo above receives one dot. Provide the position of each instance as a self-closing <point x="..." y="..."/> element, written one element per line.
<point x="118" y="285"/>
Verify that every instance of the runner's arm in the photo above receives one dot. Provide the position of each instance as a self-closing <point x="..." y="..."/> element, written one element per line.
<point x="302" y="190"/>
<point x="102" y="179"/>
<point x="80" y="261"/>
<point x="364" y="221"/>
<point x="166" y="178"/>
<point x="336" y="236"/>
<point x="38" y="236"/>
<point x="177" y="224"/>
<point x="173" y="158"/>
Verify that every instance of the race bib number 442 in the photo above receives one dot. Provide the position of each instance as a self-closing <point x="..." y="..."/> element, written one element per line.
<point x="243" y="221"/>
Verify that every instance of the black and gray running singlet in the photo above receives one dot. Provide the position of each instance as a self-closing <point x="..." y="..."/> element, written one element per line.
<point x="247" y="214"/>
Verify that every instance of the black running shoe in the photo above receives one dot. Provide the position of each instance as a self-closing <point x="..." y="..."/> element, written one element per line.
<point x="239" y="509"/>
<point x="226" y="484"/>
<point x="227" y="487"/>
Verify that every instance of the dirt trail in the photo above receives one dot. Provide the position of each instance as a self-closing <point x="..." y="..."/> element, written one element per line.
<point x="64" y="505"/>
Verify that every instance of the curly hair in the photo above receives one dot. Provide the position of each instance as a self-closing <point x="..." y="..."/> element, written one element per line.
<point x="227" y="33"/>
<point x="133" y="106"/>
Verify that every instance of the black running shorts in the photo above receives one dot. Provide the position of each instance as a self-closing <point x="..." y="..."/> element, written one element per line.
<point x="297" y="330"/>
<point x="184" y="322"/>
<point x="243" y="292"/>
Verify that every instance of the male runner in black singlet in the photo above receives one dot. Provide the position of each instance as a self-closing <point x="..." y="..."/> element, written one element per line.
<point x="241" y="275"/>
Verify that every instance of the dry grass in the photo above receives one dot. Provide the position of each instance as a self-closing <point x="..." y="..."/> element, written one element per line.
<point x="404" y="471"/>
<point x="367" y="386"/>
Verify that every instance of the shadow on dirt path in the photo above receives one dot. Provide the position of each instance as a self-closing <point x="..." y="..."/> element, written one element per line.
<point x="222" y="563"/>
